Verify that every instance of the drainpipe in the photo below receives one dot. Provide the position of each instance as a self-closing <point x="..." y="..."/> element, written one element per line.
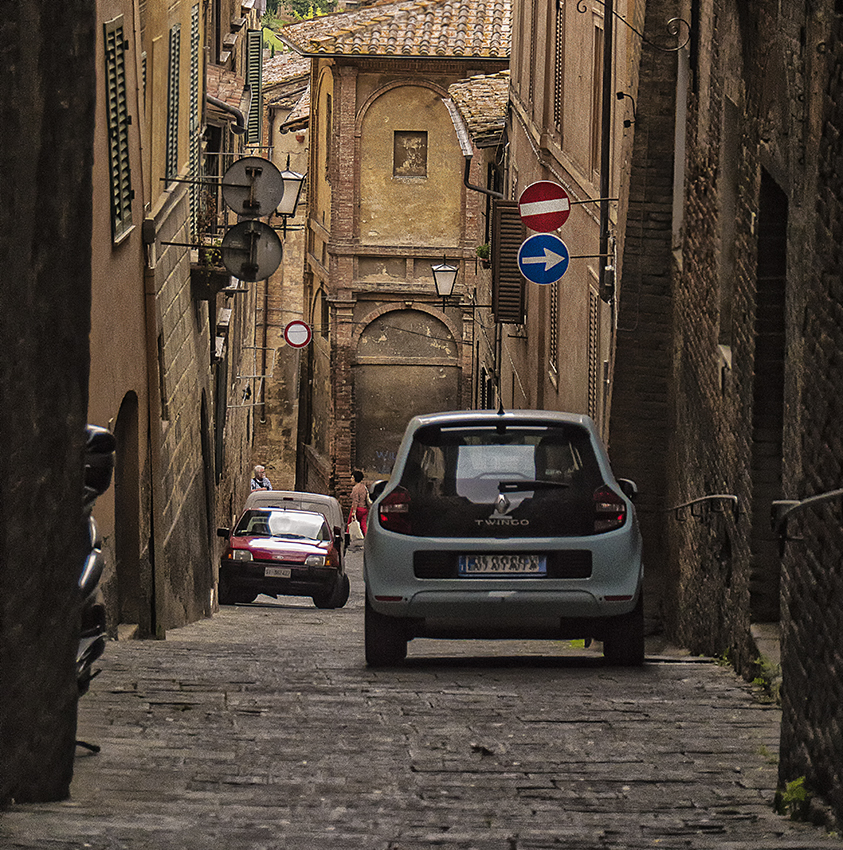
<point x="607" y="273"/>
<point x="239" y="127"/>
<point x="467" y="150"/>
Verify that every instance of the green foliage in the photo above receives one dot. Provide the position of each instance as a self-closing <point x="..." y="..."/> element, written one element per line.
<point x="483" y="251"/>
<point x="794" y="799"/>
<point x="302" y="10"/>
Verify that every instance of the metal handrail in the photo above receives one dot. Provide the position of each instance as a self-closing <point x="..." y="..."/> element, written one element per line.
<point x="782" y="509"/>
<point x="713" y="498"/>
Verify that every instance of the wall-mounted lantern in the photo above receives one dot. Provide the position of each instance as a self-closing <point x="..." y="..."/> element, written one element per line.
<point x="444" y="277"/>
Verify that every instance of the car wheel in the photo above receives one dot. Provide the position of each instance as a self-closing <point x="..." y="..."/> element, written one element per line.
<point x="229" y="595"/>
<point x="385" y="637"/>
<point x="336" y="597"/>
<point x="623" y="643"/>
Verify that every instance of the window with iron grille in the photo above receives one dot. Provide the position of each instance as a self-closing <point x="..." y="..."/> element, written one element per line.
<point x="553" y="333"/>
<point x="593" y="350"/>
<point x="172" y="153"/>
<point x="118" y="128"/>
<point x="533" y="36"/>
<point x="194" y="120"/>
<point x="254" y="73"/>
<point x="559" y="67"/>
<point x="597" y="99"/>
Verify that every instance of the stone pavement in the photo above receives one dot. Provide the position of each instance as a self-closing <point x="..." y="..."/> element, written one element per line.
<point x="262" y="729"/>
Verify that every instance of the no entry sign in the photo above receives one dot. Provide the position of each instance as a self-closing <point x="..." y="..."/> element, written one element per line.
<point x="544" y="206"/>
<point x="297" y="334"/>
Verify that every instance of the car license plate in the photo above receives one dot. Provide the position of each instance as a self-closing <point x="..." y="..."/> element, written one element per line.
<point x="277" y="572"/>
<point x="499" y="565"/>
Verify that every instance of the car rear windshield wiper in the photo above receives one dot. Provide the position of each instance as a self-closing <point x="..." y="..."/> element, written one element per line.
<point x="519" y="486"/>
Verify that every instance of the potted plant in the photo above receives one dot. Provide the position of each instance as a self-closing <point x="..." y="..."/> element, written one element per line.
<point x="483" y="253"/>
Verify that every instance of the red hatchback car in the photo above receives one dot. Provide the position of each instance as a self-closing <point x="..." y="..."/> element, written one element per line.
<point x="282" y="553"/>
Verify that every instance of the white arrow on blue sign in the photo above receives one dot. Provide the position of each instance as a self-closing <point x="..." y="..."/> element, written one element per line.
<point x="543" y="258"/>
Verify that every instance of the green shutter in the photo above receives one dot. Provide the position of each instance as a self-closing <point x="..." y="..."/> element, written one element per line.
<point x="172" y="161"/>
<point x="195" y="128"/>
<point x="120" y="174"/>
<point x="254" y="76"/>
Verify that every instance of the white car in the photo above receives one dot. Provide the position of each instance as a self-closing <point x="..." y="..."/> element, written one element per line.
<point x="503" y="525"/>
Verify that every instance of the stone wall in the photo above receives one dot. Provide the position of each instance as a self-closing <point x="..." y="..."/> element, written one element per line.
<point x="812" y="658"/>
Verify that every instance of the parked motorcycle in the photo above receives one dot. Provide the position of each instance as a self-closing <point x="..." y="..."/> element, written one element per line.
<point x="99" y="466"/>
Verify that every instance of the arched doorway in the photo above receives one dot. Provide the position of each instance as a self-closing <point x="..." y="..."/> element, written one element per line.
<point x="132" y="604"/>
<point x="407" y="364"/>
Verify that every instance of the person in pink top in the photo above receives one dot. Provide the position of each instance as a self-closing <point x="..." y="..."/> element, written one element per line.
<point x="359" y="500"/>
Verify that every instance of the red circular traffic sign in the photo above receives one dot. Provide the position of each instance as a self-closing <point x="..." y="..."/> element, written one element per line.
<point x="297" y="334"/>
<point x="544" y="206"/>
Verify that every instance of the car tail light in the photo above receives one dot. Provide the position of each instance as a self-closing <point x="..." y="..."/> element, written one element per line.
<point x="609" y="510"/>
<point x="394" y="511"/>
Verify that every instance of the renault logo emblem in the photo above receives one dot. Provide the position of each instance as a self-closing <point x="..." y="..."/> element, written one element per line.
<point x="501" y="504"/>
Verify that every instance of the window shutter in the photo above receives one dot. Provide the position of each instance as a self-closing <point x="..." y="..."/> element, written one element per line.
<point x="254" y="74"/>
<point x="508" y="232"/>
<point x="593" y="350"/>
<point x="194" y="120"/>
<point x="172" y="162"/>
<point x="118" y="128"/>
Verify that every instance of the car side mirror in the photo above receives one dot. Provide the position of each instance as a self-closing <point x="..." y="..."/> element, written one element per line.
<point x="223" y="532"/>
<point x="378" y="488"/>
<point x="629" y="488"/>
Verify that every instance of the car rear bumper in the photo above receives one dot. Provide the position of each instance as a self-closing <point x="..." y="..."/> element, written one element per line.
<point x="609" y="589"/>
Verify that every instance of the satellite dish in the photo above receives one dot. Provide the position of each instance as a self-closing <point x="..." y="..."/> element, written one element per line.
<point x="251" y="250"/>
<point x="252" y="187"/>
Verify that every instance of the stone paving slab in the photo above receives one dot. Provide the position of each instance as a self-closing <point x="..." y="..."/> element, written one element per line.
<point x="262" y="729"/>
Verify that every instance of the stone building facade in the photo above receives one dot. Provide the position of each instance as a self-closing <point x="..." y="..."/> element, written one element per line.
<point x="286" y="97"/>
<point x="385" y="204"/>
<point x="167" y="341"/>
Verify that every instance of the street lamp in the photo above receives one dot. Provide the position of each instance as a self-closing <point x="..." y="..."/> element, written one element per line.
<point x="293" y="182"/>
<point x="444" y="276"/>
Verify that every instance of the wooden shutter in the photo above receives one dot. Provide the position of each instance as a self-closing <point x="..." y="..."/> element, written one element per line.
<point x="172" y="162"/>
<point x="508" y="232"/>
<point x="254" y="74"/>
<point x="118" y="128"/>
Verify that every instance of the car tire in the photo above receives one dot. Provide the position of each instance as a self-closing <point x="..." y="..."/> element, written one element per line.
<point x="336" y="597"/>
<point x="385" y="639"/>
<point x="623" y="643"/>
<point x="229" y="595"/>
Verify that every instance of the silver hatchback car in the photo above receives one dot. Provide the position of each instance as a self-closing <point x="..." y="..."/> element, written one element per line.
<point x="503" y="525"/>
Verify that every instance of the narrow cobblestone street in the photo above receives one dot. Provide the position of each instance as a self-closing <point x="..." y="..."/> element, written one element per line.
<point x="261" y="728"/>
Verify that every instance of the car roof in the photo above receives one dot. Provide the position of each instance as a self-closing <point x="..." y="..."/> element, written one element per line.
<point x="486" y="417"/>
<point x="296" y="499"/>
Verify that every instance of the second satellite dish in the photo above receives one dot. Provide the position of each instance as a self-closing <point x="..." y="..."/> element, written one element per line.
<point x="252" y="187"/>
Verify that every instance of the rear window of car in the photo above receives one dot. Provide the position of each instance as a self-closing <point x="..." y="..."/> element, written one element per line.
<point x="458" y="476"/>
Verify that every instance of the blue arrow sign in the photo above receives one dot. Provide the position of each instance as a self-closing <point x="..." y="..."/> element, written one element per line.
<point x="543" y="258"/>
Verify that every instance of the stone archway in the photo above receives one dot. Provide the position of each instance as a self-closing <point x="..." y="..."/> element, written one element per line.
<point x="132" y="601"/>
<point x="407" y="364"/>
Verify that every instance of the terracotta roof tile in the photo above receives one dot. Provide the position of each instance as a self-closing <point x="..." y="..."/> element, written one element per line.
<point x="482" y="102"/>
<point x="284" y="67"/>
<point x="442" y="28"/>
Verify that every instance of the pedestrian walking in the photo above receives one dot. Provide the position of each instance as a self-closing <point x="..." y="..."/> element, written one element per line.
<point x="259" y="479"/>
<point x="360" y="501"/>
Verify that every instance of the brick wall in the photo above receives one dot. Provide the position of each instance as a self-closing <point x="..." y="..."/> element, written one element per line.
<point x="812" y="659"/>
<point x="640" y="394"/>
